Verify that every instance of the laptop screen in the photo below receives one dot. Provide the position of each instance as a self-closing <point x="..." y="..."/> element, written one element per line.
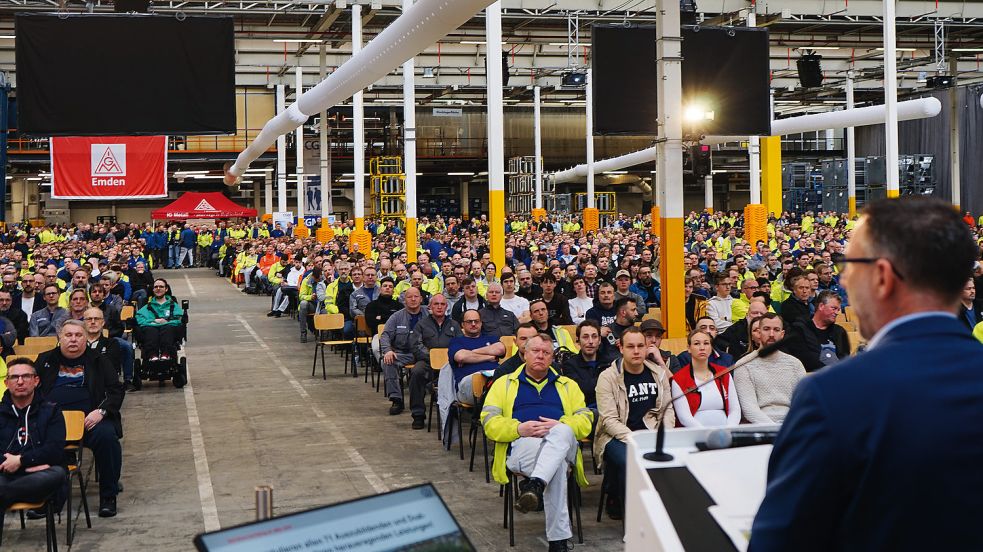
<point x="414" y="518"/>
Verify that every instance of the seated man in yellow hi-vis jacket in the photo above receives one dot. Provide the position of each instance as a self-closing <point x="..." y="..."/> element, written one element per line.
<point x="536" y="416"/>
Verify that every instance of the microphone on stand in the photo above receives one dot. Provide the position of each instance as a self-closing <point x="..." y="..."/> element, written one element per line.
<point x="660" y="455"/>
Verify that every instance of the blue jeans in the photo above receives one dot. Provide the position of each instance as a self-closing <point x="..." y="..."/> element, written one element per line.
<point x="615" y="461"/>
<point x="172" y="255"/>
<point x="127" y="349"/>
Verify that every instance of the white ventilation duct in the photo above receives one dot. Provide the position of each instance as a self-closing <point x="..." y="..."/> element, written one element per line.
<point x="922" y="108"/>
<point x="420" y="26"/>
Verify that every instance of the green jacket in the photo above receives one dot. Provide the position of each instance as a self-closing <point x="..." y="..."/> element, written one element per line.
<point x="331" y="298"/>
<point x="501" y="427"/>
<point x="169" y="310"/>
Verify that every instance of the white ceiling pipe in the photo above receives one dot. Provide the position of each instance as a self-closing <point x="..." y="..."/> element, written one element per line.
<point x="921" y="108"/>
<point x="420" y="26"/>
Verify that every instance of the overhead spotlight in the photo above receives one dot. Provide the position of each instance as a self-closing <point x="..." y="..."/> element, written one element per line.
<point x="574" y="80"/>
<point x="810" y="70"/>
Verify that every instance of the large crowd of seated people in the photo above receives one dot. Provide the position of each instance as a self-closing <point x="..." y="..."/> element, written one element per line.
<point x="564" y="334"/>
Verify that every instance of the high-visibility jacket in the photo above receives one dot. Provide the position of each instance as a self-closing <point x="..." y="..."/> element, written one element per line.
<point x="501" y="427"/>
<point x="205" y="239"/>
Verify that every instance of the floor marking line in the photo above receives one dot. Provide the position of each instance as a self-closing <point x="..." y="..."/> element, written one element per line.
<point x="209" y="509"/>
<point x="191" y="288"/>
<point x="337" y="436"/>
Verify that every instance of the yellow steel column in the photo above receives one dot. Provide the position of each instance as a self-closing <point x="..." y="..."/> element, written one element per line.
<point x="771" y="174"/>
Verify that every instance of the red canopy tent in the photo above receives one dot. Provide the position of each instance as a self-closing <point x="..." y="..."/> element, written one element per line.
<point x="195" y="205"/>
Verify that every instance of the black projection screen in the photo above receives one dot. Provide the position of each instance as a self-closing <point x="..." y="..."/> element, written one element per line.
<point x="724" y="70"/>
<point x="119" y="74"/>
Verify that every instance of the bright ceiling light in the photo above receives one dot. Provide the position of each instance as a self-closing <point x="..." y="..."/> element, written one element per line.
<point x="696" y="112"/>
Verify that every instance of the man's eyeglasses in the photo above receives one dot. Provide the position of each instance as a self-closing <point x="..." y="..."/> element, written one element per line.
<point x="841" y="261"/>
<point x="19" y="377"/>
<point x="472" y="321"/>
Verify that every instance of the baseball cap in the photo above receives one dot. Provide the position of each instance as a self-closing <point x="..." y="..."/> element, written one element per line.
<point x="624" y="273"/>
<point x="651" y="325"/>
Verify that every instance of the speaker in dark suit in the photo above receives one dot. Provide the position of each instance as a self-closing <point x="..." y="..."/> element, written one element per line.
<point x="884" y="451"/>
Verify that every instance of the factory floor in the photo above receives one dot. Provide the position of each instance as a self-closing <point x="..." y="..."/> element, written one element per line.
<point x="252" y="415"/>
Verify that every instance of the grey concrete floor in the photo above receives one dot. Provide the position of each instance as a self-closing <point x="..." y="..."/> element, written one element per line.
<point x="253" y="415"/>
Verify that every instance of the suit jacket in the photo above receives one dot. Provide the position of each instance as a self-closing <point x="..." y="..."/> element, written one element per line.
<point x="882" y="451"/>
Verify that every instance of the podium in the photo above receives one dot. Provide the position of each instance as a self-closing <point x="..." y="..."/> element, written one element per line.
<point x="699" y="501"/>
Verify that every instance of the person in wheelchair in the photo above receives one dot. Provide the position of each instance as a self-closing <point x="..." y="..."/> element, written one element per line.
<point x="160" y="323"/>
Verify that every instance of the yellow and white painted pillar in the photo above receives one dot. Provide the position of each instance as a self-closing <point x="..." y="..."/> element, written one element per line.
<point x="891" y="100"/>
<point x="591" y="216"/>
<point x="538" y="212"/>
<point x="496" y="134"/>
<point x="409" y="150"/>
<point x="360" y="235"/>
<point x="669" y="171"/>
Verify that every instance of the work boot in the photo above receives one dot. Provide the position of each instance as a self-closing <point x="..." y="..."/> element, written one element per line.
<point x="560" y="546"/>
<point x="303" y="337"/>
<point x="396" y="408"/>
<point x="530" y="497"/>
<point x="418" y="422"/>
<point x="614" y="507"/>
<point x="107" y="506"/>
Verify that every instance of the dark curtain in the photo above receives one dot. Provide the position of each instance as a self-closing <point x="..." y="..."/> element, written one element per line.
<point x="931" y="137"/>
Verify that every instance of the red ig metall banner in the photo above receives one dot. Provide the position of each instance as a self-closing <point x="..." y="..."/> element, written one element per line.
<point x="109" y="167"/>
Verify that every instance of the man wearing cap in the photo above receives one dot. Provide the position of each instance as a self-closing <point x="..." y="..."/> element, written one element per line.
<point x="654" y="332"/>
<point x="622" y="288"/>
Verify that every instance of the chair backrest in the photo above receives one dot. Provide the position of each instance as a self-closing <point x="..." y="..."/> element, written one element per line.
<point x="840" y="318"/>
<point x="655" y="312"/>
<point x="74" y="425"/>
<point x="856" y="340"/>
<point x="850" y="314"/>
<point x="380" y="328"/>
<point x="650" y="316"/>
<point x="674" y="345"/>
<point x="478" y="384"/>
<point x="32" y="356"/>
<point x="127" y="312"/>
<point x="325" y="322"/>
<point x="509" y="342"/>
<point x="438" y="358"/>
<point x="24" y="350"/>
<point x="361" y="326"/>
<point x="43" y="343"/>
<point x="848" y="326"/>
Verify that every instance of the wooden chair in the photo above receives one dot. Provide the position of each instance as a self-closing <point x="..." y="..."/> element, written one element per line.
<point x="856" y="340"/>
<point x="574" y="500"/>
<point x="363" y="343"/>
<point x="126" y="316"/>
<point x="655" y="312"/>
<point x="674" y="345"/>
<point x="650" y="316"/>
<point x="438" y="359"/>
<point x="42" y="343"/>
<point x="24" y="350"/>
<point x="478" y="389"/>
<point x="51" y="537"/>
<point x="850" y="314"/>
<point x="330" y="323"/>
<point x="74" y="431"/>
<point x="458" y="408"/>
<point x="848" y="326"/>
<point x="509" y="342"/>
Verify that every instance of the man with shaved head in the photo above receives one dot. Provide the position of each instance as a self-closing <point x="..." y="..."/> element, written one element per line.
<point x="496" y="320"/>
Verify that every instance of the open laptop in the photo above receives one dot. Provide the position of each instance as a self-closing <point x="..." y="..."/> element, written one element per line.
<point x="414" y="518"/>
